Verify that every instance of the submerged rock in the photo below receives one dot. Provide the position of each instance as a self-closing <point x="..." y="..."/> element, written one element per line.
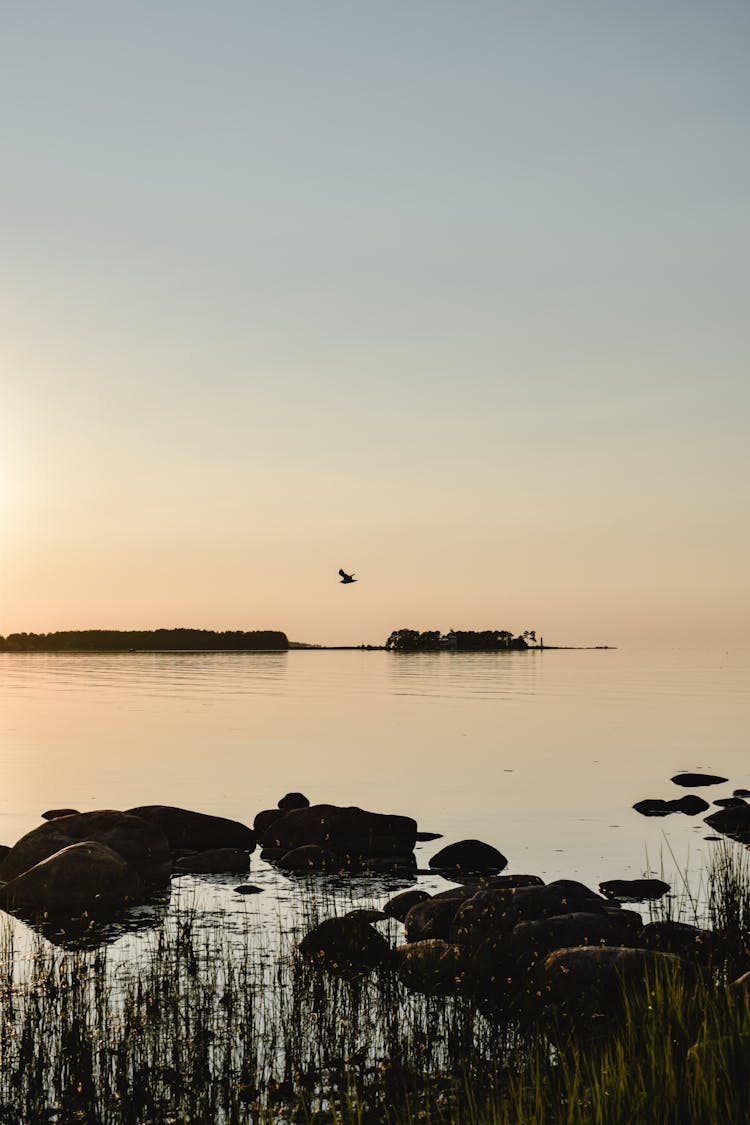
<point x="634" y="890"/>
<point x="87" y="876"/>
<point x="248" y="889"/>
<point x="690" y="805"/>
<point x="693" y="780"/>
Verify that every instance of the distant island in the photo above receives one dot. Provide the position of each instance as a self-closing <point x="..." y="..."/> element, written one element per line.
<point x="459" y="640"/>
<point x="144" y="640"/>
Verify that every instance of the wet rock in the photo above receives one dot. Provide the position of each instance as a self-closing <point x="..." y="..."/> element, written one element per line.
<point x="733" y="822"/>
<point x="434" y="966"/>
<point x="492" y="914"/>
<point x="400" y="905"/>
<point x="679" y="938"/>
<point x="294" y="801"/>
<point x="693" y="780"/>
<point x="187" y="829"/>
<point x="348" y="831"/>
<point x="263" y="822"/>
<point x="86" y="876"/>
<point x="346" y="946"/>
<point x="310" y="858"/>
<point x="367" y="914"/>
<point x="531" y="940"/>
<point x="470" y="857"/>
<point x="729" y="802"/>
<point x="55" y="814"/>
<point x="690" y="805"/>
<point x="634" y="890"/>
<point x="581" y="991"/>
<point x="248" y="889"/>
<point x="141" y="844"/>
<point x="433" y="917"/>
<point x="213" y="861"/>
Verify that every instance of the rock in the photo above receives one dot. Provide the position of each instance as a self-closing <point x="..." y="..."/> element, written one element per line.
<point x="729" y="802"/>
<point x="509" y="882"/>
<point x="4" y="849"/>
<point x="732" y="822"/>
<point x="366" y="914"/>
<point x="492" y="914"/>
<point x="679" y="938"/>
<point x="741" y="792"/>
<point x="87" y="876"/>
<point x="471" y="857"/>
<point x="186" y="829"/>
<point x="690" y="805"/>
<point x="531" y="940"/>
<point x="434" y="966"/>
<point x="582" y="991"/>
<point x="423" y="837"/>
<point x="294" y="801"/>
<point x="400" y="905"/>
<point x="433" y="917"/>
<point x="346" y="946"/>
<point x="634" y="890"/>
<point x="310" y="858"/>
<point x="141" y="844"/>
<point x="248" y="889"/>
<point x="349" y="832"/>
<point x="693" y="780"/>
<point x="263" y="821"/>
<point x="213" y="861"/>
<point x="55" y="814"/>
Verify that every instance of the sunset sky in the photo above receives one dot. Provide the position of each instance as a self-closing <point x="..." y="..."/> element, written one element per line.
<point x="449" y="294"/>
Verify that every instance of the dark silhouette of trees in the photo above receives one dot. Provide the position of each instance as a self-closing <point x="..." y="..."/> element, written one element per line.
<point x="457" y="640"/>
<point x="143" y="640"/>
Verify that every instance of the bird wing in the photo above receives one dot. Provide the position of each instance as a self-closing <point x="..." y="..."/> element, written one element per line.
<point x="343" y="573"/>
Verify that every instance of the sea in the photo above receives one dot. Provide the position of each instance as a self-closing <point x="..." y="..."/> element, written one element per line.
<point x="540" y="753"/>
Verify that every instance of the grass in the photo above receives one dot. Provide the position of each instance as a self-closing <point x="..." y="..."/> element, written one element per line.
<point x="197" y="1024"/>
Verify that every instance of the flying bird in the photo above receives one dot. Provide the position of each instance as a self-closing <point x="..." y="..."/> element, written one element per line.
<point x="347" y="578"/>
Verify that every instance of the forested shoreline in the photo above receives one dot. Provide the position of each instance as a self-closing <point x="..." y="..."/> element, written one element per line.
<point x="143" y="640"/>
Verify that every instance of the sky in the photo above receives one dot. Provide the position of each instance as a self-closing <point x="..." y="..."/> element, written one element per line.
<point x="448" y="294"/>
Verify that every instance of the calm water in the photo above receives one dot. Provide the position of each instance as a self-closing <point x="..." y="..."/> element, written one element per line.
<point x="540" y="754"/>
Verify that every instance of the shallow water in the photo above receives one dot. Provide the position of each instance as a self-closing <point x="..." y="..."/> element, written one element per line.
<point x="540" y="753"/>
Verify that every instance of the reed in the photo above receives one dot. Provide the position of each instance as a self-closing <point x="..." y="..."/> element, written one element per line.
<point x="198" y="1023"/>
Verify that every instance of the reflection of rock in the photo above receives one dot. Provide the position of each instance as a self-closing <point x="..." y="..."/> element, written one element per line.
<point x="187" y="829"/>
<point x="690" y="805"/>
<point x="213" y="861"/>
<point x="634" y="890"/>
<point x="471" y="857"/>
<point x="88" y="876"/>
<point x="309" y="858"/>
<point x="347" y="946"/>
<point x="693" y="780"/>
<point x="141" y="844"/>
<point x="92" y="930"/>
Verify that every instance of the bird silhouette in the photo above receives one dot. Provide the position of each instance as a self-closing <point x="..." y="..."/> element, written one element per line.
<point x="347" y="578"/>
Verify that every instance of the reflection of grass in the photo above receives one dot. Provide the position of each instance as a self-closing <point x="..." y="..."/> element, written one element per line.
<point x="200" y="1025"/>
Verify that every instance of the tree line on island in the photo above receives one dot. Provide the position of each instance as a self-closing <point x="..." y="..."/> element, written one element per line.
<point x="143" y="640"/>
<point x="458" y="640"/>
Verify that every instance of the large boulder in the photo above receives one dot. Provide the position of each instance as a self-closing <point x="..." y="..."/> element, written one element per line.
<point x="201" y="831"/>
<point x="400" y="905"/>
<point x="350" y="832"/>
<point x="263" y="821"/>
<point x="529" y="941"/>
<point x="433" y="917"/>
<point x="141" y="844"/>
<point x="80" y="877"/>
<point x="434" y="966"/>
<point x="346" y="946"/>
<point x="587" y="990"/>
<point x="492" y="913"/>
<point x="469" y="857"/>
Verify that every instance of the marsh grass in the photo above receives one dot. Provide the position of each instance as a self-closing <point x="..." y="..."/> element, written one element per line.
<point x="197" y="1023"/>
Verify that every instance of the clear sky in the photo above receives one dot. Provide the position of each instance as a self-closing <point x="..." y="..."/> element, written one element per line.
<point x="453" y="295"/>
